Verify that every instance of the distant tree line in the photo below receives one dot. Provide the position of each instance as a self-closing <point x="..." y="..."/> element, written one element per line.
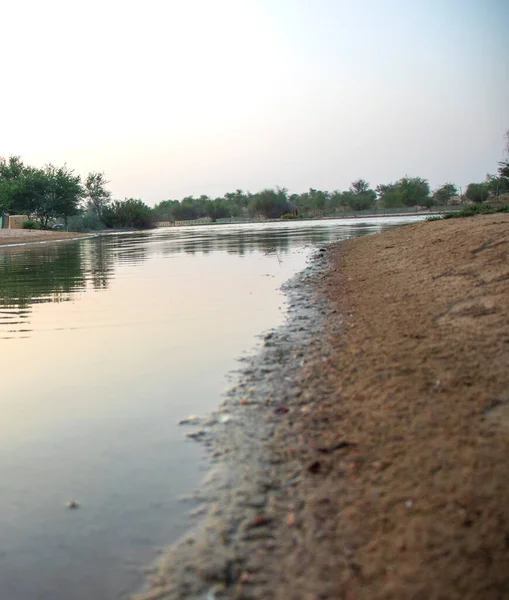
<point x="52" y="194"/>
<point x="277" y="202"/>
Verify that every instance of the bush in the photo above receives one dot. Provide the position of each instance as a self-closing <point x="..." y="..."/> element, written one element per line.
<point x="477" y="192"/>
<point x="477" y="209"/>
<point x="30" y="224"/>
<point x="84" y="223"/>
<point x="128" y="213"/>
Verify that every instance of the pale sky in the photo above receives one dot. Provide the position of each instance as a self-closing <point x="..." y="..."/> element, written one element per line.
<point x="188" y="97"/>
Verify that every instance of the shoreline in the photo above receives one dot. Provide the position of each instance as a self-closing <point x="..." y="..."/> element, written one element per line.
<point x="238" y="498"/>
<point x="18" y="237"/>
<point x="363" y="453"/>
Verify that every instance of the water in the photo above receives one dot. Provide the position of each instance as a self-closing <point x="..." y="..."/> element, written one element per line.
<point x="105" y="344"/>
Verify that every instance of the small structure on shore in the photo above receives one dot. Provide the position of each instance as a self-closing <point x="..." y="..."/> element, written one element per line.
<point x="13" y="221"/>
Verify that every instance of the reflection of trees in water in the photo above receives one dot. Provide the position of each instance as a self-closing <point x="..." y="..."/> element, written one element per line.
<point x="36" y="275"/>
<point x="240" y="242"/>
<point x="42" y="273"/>
<point x="126" y="248"/>
<point x="247" y="239"/>
<point x="98" y="263"/>
<point x="54" y="272"/>
<point x="49" y="273"/>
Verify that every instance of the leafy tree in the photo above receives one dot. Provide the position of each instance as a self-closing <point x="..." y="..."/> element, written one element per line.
<point x="390" y="195"/>
<point x="337" y="200"/>
<point x="164" y="211"/>
<point x="217" y="209"/>
<point x="270" y="203"/>
<point x="360" y="186"/>
<point x="360" y="196"/>
<point x="96" y="195"/>
<point x="61" y="192"/>
<point x="130" y="212"/>
<point x="444" y="193"/>
<point x="498" y="185"/>
<point x="407" y="191"/>
<point x="415" y="191"/>
<point x="11" y="171"/>
<point x="29" y="191"/>
<point x="477" y="192"/>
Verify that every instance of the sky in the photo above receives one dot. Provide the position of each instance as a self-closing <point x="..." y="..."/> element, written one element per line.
<point x="171" y="98"/>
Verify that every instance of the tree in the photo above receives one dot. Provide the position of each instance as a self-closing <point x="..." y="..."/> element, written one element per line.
<point x="444" y="193"/>
<point x="415" y="191"/>
<point x="477" y="192"/>
<point x="407" y="191"/>
<point x="59" y="192"/>
<point x="217" y="209"/>
<point x="390" y="195"/>
<point x="360" y="186"/>
<point x="130" y="212"/>
<point x="360" y="196"/>
<point x="164" y="211"/>
<point x="96" y="195"/>
<point x="10" y="172"/>
<point x="270" y="203"/>
<point x="498" y="185"/>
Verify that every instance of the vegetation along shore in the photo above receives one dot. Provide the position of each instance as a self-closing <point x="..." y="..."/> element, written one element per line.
<point x="363" y="453"/>
<point x="55" y="196"/>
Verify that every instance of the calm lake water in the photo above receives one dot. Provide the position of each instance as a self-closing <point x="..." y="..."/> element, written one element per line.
<point x="105" y="344"/>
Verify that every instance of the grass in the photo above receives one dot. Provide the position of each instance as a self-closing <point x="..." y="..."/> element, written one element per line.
<point x="472" y="210"/>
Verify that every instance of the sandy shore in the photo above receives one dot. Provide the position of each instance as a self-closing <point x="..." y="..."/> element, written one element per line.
<point x="28" y="236"/>
<point x="363" y="453"/>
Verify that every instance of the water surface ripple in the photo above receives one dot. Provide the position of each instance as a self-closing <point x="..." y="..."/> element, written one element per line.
<point x="105" y="344"/>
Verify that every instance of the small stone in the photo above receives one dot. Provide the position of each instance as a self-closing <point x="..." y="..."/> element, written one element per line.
<point x="196" y="435"/>
<point x="191" y="420"/>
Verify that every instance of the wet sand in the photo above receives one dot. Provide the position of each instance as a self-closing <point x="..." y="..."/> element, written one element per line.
<point x="363" y="453"/>
<point x="28" y="236"/>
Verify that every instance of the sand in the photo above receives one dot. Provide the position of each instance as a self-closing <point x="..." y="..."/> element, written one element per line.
<point x="363" y="453"/>
<point x="27" y="236"/>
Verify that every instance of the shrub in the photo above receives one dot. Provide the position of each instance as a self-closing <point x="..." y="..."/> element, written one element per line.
<point x="477" y="209"/>
<point x="30" y="224"/>
<point x="84" y="223"/>
<point x="128" y="213"/>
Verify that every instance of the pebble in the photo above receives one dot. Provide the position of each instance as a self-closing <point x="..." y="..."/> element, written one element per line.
<point x="191" y="420"/>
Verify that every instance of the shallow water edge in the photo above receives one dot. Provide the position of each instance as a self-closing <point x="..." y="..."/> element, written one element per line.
<point x="245" y="496"/>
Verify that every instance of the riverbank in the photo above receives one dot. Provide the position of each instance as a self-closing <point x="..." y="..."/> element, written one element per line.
<point x="29" y="236"/>
<point x="363" y="452"/>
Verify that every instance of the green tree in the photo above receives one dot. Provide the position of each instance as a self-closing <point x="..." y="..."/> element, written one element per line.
<point x="217" y="209"/>
<point x="390" y="195"/>
<point x="96" y="195"/>
<point x="415" y="191"/>
<point x="11" y="171"/>
<point x="477" y="192"/>
<point x="360" y="196"/>
<point x="444" y="193"/>
<point x="270" y="203"/>
<point x="61" y="193"/>
<point x="164" y="211"/>
<point x="131" y="213"/>
<point x="498" y="185"/>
